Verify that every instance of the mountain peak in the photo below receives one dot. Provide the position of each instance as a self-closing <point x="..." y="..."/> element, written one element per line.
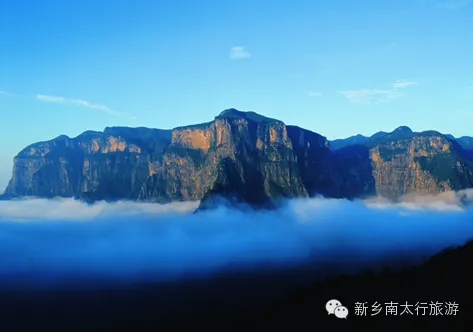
<point x="231" y="112"/>
<point x="403" y="130"/>
<point x="252" y="116"/>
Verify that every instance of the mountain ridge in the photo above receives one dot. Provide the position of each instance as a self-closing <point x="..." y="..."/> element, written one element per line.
<point x="252" y="158"/>
<point x="465" y="141"/>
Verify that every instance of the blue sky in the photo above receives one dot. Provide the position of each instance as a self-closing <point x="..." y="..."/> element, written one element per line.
<point x="338" y="67"/>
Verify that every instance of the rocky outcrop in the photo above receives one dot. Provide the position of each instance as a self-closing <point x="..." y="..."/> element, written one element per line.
<point x="406" y="162"/>
<point x="243" y="156"/>
<point x="251" y="157"/>
<point x="95" y="165"/>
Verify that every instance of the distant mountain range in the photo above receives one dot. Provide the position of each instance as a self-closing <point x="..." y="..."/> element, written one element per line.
<point x="244" y="157"/>
<point x="465" y="141"/>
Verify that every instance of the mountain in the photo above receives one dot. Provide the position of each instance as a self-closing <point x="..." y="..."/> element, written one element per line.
<point x="103" y="165"/>
<point x="466" y="142"/>
<point x="360" y="139"/>
<point x="424" y="162"/>
<point x="405" y="161"/>
<point x="443" y="279"/>
<point x="343" y="142"/>
<point x="244" y="157"/>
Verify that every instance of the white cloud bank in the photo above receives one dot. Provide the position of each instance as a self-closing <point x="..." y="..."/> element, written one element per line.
<point x="378" y="96"/>
<point x="453" y="4"/>
<point x="368" y="96"/>
<point x="399" y="84"/>
<point x="60" y="239"/>
<point x="79" y="102"/>
<point x="239" y="52"/>
<point x="62" y="209"/>
<point x="314" y="94"/>
<point x="5" y="93"/>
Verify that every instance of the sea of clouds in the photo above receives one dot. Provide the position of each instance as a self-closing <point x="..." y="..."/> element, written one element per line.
<point x="59" y="240"/>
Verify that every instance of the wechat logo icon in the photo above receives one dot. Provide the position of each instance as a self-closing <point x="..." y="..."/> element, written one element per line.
<point x="335" y="307"/>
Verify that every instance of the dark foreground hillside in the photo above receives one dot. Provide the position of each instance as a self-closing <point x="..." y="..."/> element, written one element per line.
<point x="255" y="301"/>
<point x="446" y="278"/>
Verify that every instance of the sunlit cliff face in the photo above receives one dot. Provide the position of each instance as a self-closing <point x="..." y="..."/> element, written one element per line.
<point x="257" y="159"/>
<point x="398" y="168"/>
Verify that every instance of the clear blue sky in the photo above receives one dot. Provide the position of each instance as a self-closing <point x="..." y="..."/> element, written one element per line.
<point x="338" y="67"/>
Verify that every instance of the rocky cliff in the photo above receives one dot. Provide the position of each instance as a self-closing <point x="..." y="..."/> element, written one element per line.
<point x="406" y="162"/>
<point x="112" y="164"/>
<point x="428" y="162"/>
<point x="241" y="155"/>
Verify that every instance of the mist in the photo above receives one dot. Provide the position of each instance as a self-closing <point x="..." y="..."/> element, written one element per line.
<point x="58" y="241"/>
